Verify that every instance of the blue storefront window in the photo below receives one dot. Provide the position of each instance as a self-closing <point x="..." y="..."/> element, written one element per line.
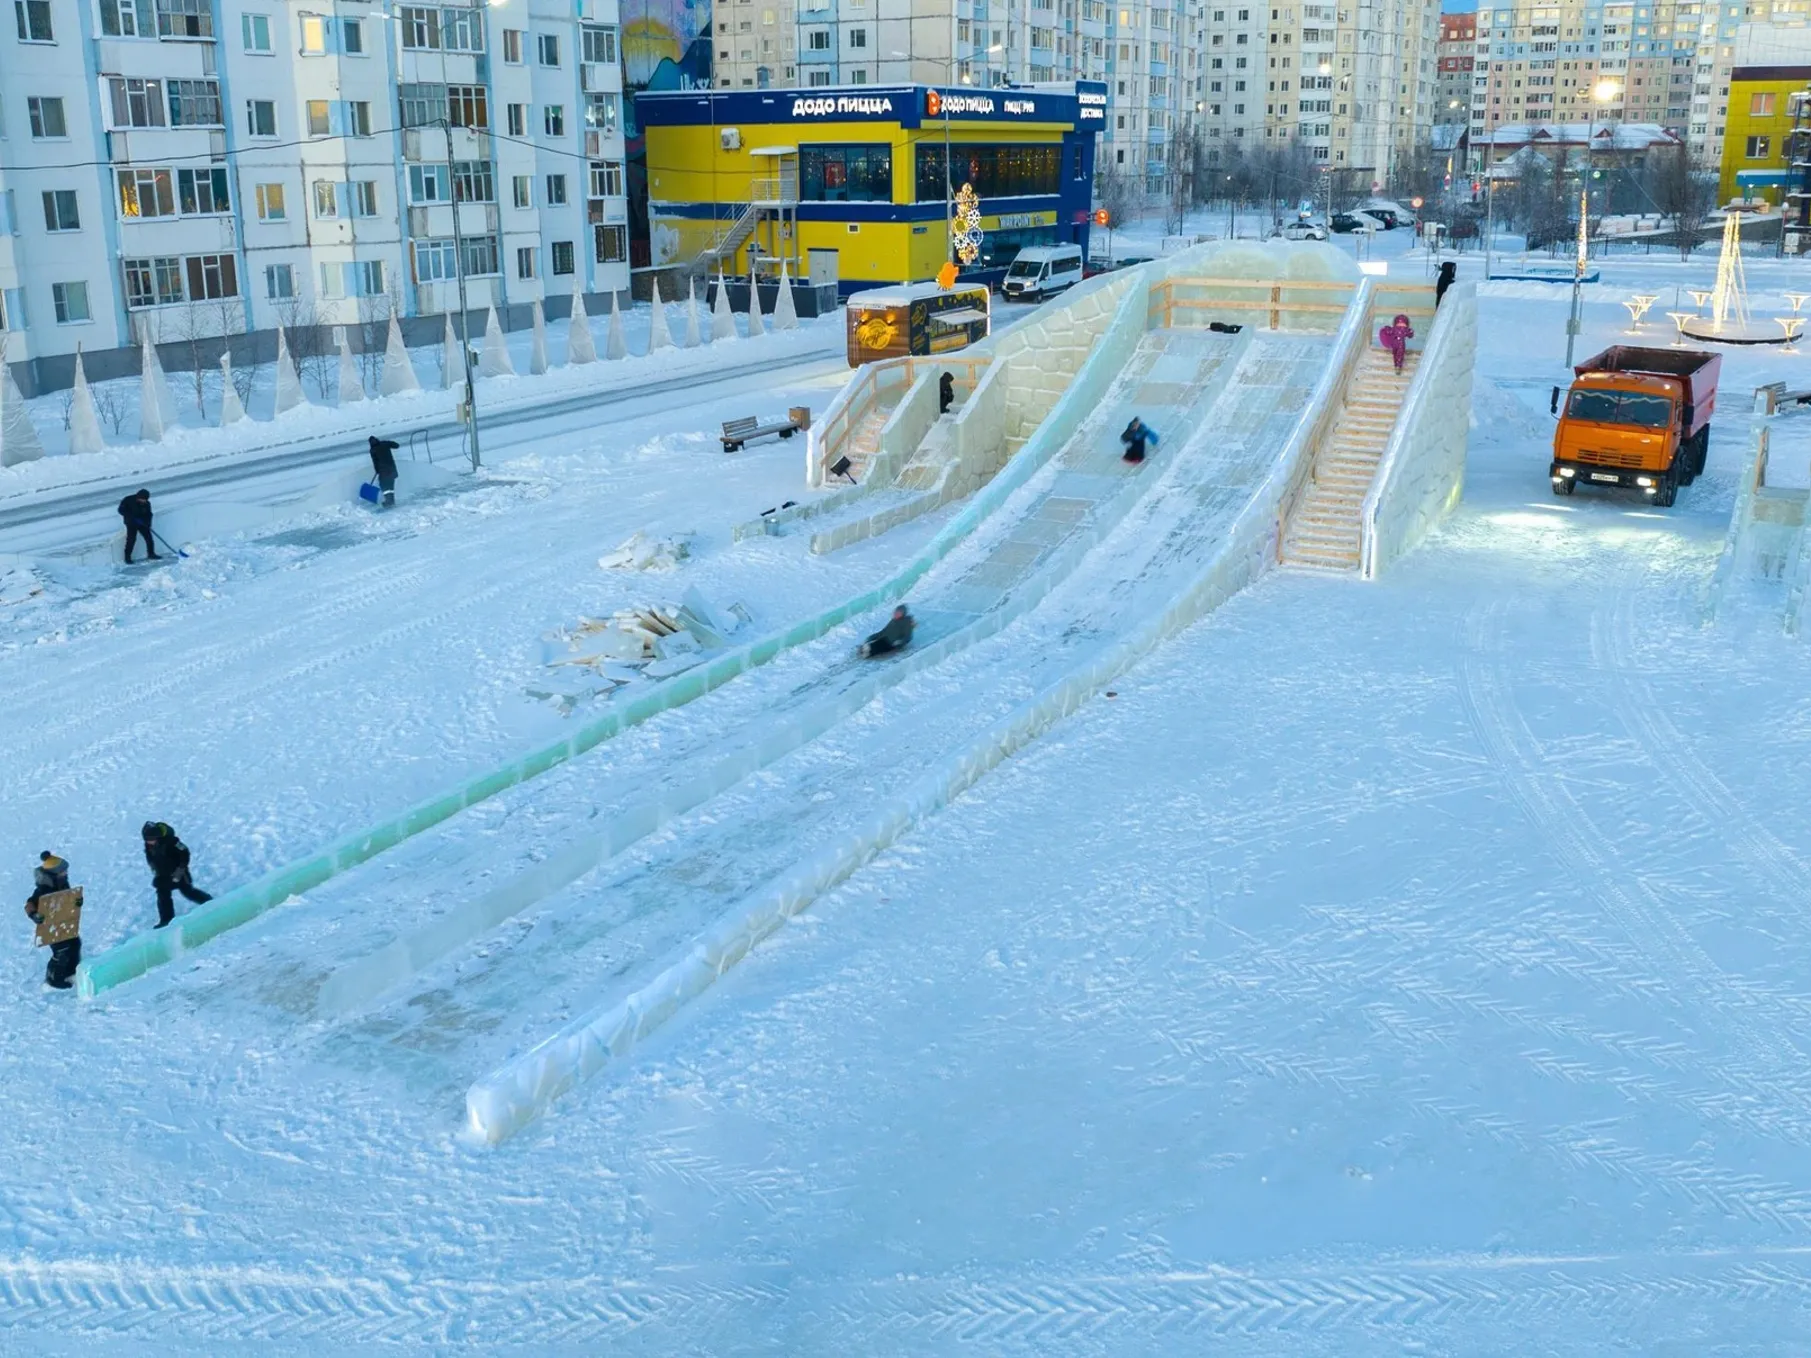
<point x="846" y="174"/>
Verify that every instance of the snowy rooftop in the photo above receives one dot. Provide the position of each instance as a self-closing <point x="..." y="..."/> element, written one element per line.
<point x="1602" y="136"/>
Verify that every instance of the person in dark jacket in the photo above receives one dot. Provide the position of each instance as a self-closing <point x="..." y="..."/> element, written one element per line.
<point x="1134" y="437"/>
<point x="946" y="392"/>
<point x="895" y="636"/>
<point x="50" y="881"/>
<point x="135" y="509"/>
<point x="1448" y="272"/>
<point x="169" y="860"/>
<point x="383" y="464"/>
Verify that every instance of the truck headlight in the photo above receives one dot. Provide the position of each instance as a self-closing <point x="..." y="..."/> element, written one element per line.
<point x="1645" y="482"/>
<point x="1567" y="471"/>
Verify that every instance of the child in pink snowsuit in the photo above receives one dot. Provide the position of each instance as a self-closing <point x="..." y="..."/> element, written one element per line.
<point x="1395" y="337"/>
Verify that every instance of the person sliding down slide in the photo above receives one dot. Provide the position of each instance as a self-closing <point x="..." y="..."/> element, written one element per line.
<point x="1135" y="437"/>
<point x="893" y="637"/>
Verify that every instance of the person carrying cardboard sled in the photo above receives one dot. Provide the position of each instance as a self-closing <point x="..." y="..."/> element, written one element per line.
<point x="56" y="908"/>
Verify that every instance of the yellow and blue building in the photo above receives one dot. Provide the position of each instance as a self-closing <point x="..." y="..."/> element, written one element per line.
<point x="1756" y="159"/>
<point x="741" y="180"/>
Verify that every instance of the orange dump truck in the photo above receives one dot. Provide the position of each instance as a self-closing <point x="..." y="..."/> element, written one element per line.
<point x="1638" y="418"/>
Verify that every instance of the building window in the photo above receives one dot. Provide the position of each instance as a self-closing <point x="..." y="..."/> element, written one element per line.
<point x="260" y="118"/>
<point x="255" y="30"/>
<point x="279" y="281"/>
<point x="428" y="184"/>
<point x="481" y="257"/>
<point x="367" y="278"/>
<point x="520" y="190"/>
<point x="71" y="301"/>
<point x="46" y="117"/>
<point x="818" y="40"/>
<point x="333" y="281"/>
<point x="1759" y="105"/>
<point x="820" y="77"/>
<point x="553" y="120"/>
<point x="326" y="199"/>
<point x="320" y="121"/>
<point x="515" y="118"/>
<point x="607" y="179"/>
<point x="562" y="258"/>
<point x="601" y="112"/>
<point x="152" y="282"/>
<point x="423" y="105"/>
<point x="1759" y="148"/>
<point x="212" y="277"/>
<point x="859" y="76"/>
<point x="512" y="46"/>
<point x="136" y="103"/>
<point x="314" y="35"/>
<point x="194" y="103"/>
<point x="612" y="244"/>
<point x="359" y="118"/>
<point x="547" y="48"/>
<point x="462" y="30"/>
<point x="127" y="19"/>
<point x="467" y="106"/>
<point x="352" y="37"/>
<point x="33" y="19"/>
<point x="146" y="193"/>
<point x="270" y="203"/>
<point x="472" y="182"/>
<point x="420" y="28"/>
<point x="556" y="190"/>
<point x="364" y="198"/>
<point x="600" y="47"/>
<point x="185" y="19"/>
<point x="858" y="37"/>
<point x="202" y="193"/>
<point x="525" y="261"/>
<point x="60" y="210"/>
<point x="435" y="260"/>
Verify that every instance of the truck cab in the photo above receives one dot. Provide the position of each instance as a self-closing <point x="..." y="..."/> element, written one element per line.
<point x="1635" y="418"/>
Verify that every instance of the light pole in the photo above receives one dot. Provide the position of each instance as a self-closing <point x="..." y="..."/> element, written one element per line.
<point x="465" y="337"/>
<point x="1602" y="93"/>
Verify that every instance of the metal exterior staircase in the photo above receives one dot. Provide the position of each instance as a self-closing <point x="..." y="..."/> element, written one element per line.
<point x="1324" y="533"/>
<point x="733" y="239"/>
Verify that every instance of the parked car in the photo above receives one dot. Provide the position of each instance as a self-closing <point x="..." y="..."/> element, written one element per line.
<point x="1304" y="231"/>
<point x="1385" y="219"/>
<point x="1344" y="222"/>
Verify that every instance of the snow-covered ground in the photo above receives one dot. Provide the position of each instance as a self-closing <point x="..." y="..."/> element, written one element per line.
<point x="1385" y="968"/>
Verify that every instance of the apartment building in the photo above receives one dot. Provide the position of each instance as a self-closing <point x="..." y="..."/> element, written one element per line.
<point x="1452" y="87"/>
<point x="181" y="167"/>
<point x="1751" y="34"/>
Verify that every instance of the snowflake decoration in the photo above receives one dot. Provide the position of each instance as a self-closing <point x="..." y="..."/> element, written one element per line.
<point x="965" y="230"/>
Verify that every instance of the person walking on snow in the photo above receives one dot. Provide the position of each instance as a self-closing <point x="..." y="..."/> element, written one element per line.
<point x="1395" y="337"/>
<point x="1134" y="437"/>
<point x="895" y="636"/>
<point x="135" y="509"/>
<point x="169" y="860"/>
<point x="383" y="465"/>
<point x="946" y="392"/>
<point x="56" y="908"/>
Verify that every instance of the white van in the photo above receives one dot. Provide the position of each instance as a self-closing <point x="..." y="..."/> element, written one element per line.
<point x="1042" y="271"/>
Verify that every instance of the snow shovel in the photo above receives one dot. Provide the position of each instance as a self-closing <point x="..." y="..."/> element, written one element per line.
<point x="368" y="492"/>
<point x="167" y="547"/>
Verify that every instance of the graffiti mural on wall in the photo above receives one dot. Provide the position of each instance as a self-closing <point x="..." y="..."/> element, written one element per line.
<point x="666" y="44"/>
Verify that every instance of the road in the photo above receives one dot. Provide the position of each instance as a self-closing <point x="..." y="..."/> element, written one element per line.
<point x="83" y="516"/>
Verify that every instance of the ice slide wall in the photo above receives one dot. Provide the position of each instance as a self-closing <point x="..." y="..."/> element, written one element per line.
<point x="1121" y="295"/>
<point x="511" y="1097"/>
<point x="1422" y="472"/>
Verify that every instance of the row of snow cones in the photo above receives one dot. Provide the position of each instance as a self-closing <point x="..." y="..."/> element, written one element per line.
<point x="157" y="407"/>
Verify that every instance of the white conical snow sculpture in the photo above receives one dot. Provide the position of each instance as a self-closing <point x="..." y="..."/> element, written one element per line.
<point x="755" y="326"/>
<point x="692" y="339"/>
<point x="452" y="367"/>
<point x="615" y="346"/>
<point x="494" y="361"/>
<point x="289" y="386"/>
<point x="537" y="353"/>
<point x="785" y="314"/>
<point x="580" y="347"/>
<point x="150" y="409"/>
<point x="232" y="410"/>
<point x="166" y="402"/>
<point x="659" y="337"/>
<point x="398" y="375"/>
<point x="18" y="440"/>
<point x="351" y="388"/>
<point x="84" y="428"/>
<point x="723" y="320"/>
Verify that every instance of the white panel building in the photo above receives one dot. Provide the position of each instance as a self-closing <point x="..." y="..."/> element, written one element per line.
<point x="184" y="167"/>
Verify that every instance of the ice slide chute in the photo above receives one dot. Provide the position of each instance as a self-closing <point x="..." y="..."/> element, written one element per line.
<point x="505" y="1101"/>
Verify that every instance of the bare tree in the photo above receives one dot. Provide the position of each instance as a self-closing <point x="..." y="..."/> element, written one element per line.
<point x="109" y="403"/>
<point x="1184" y="153"/>
<point x="1683" y="194"/>
<point x="306" y="329"/>
<point x="1113" y="191"/>
<point x="374" y="314"/>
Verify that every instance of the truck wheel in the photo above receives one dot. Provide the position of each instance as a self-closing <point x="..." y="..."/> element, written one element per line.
<point x="1564" y="486"/>
<point x="1668" y="492"/>
<point x="1703" y="452"/>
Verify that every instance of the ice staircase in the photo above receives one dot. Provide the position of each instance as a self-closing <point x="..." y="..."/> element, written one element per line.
<point x="1324" y="532"/>
<point x="864" y="441"/>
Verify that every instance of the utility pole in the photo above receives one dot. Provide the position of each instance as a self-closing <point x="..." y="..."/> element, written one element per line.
<point x="465" y="338"/>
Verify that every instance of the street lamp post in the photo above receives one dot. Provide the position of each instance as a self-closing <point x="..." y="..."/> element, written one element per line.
<point x="1602" y="93"/>
<point x="465" y="327"/>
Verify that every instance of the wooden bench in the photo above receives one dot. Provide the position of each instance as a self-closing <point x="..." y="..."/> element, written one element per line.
<point x="738" y="432"/>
